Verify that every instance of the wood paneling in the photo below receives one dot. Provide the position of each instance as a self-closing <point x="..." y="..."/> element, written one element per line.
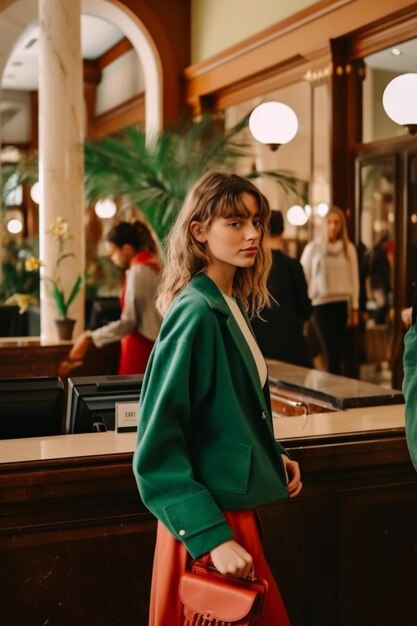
<point x="76" y="542"/>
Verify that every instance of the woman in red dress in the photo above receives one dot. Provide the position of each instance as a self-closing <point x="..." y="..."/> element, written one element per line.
<point x="130" y="246"/>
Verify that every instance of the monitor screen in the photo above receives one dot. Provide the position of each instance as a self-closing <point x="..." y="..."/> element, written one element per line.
<point x="103" y="311"/>
<point x="31" y="407"/>
<point x="92" y="401"/>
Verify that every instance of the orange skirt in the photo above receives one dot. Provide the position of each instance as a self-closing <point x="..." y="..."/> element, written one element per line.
<point x="172" y="559"/>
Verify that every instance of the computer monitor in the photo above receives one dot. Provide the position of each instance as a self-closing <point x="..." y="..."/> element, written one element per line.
<point x="103" y="310"/>
<point x="31" y="407"/>
<point x="92" y="401"/>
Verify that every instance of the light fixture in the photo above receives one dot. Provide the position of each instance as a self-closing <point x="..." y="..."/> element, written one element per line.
<point x="9" y="154"/>
<point x="396" y="52"/>
<point x="322" y="209"/>
<point x="35" y="192"/>
<point x="105" y="209"/>
<point x="14" y="226"/>
<point x="400" y="101"/>
<point x="273" y="123"/>
<point x="297" y="216"/>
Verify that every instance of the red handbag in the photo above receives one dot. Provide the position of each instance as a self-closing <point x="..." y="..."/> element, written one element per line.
<point x="211" y="599"/>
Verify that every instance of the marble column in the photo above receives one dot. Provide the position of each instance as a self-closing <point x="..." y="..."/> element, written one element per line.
<point x="61" y="162"/>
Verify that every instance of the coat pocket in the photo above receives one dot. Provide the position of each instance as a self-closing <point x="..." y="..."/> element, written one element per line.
<point x="224" y="464"/>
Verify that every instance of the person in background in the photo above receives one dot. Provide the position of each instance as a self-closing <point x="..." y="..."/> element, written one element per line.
<point x="279" y="329"/>
<point x="331" y="269"/>
<point x="206" y="453"/>
<point x="379" y="272"/>
<point x="130" y="246"/>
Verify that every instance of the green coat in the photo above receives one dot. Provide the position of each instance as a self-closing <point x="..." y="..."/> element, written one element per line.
<point x="410" y="391"/>
<point x="206" y="439"/>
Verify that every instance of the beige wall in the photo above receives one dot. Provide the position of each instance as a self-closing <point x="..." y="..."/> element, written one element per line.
<point x="219" y="24"/>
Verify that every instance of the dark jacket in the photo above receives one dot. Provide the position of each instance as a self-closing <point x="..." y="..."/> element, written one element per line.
<point x="206" y="441"/>
<point x="281" y="336"/>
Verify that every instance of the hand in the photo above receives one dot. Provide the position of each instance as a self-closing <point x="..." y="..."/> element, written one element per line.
<point x="292" y="468"/>
<point x="66" y="367"/>
<point x="231" y="558"/>
<point x="406" y="316"/>
<point x="80" y="347"/>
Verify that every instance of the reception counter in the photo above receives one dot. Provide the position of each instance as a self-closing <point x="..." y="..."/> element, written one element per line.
<point x="30" y="356"/>
<point x="76" y="542"/>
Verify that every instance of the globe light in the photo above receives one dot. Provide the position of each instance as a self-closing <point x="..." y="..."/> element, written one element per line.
<point x="322" y="209"/>
<point x="273" y="123"/>
<point x="105" y="209"/>
<point x="296" y="215"/>
<point x="14" y="226"/>
<point x="35" y="192"/>
<point x="400" y="101"/>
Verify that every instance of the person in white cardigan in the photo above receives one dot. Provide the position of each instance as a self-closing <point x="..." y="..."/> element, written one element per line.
<point x="331" y="268"/>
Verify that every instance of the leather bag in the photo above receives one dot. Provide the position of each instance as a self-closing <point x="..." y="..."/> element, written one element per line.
<point x="211" y="599"/>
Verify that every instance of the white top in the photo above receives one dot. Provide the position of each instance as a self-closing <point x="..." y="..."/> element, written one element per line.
<point x="331" y="276"/>
<point x="139" y="311"/>
<point x="256" y="352"/>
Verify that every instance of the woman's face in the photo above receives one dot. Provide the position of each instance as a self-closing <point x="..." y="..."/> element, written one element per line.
<point x="334" y="227"/>
<point x="232" y="242"/>
<point x="120" y="255"/>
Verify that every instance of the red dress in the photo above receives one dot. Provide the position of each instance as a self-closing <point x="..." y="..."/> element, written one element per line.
<point x="135" y="348"/>
<point x="171" y="560"/>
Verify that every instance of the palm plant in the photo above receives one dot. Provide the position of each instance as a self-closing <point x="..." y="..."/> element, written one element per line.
<point x="156" y="176"/>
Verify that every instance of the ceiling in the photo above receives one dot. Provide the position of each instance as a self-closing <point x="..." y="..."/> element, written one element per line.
<point x="21" y="71"/>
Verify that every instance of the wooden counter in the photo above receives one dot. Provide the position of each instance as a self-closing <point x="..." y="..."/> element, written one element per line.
<point x="29" y="356"/>
<point x="76" y="542"/>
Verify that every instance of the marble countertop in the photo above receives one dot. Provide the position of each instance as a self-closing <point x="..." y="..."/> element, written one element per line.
<point x="353" y="421"/>
<point x="340" y="391"/>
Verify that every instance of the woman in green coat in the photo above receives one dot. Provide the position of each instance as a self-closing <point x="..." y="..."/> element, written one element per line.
<point x="206" y="454"/>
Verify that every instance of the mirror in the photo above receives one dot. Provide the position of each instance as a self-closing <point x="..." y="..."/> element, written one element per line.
<point x="381" y="68"/>
<point x="376" y="259"/>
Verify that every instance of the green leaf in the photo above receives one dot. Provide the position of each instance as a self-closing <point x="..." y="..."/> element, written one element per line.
<point x="58" y="296"/>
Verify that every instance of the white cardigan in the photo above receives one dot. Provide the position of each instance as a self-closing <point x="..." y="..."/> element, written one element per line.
<point x="330" y="275"/>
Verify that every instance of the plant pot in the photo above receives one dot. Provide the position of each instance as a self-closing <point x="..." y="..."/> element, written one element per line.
<point x="65" y="328"/>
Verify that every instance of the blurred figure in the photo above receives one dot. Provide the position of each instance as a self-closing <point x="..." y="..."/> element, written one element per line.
<point x="379" y="272"/>
<point x="279" y="330"/>
<point x="130" y="246"/>
<point x="331" y="269"/>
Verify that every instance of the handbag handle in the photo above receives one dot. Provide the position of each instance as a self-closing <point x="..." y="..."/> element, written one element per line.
<point x="207" y="563"/>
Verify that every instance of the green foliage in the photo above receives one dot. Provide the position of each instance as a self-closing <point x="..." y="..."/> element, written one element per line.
<point x="15" y="277"/>
<point x="156" y="176"/>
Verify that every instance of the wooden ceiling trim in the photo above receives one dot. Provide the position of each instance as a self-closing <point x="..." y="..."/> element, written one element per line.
<point x="383" y="36"/>
<point x="130" y="112"/>
<point x="294" y="70"/>
<point x="301" y="35"/>
<point x="113" y="53"/>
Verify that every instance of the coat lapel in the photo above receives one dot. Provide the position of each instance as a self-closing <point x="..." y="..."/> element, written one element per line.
<point x="211" y="293"/>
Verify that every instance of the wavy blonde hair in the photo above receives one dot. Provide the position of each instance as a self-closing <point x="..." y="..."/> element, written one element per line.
<point x="343" y="233"/>
<point x="215" y="194"/>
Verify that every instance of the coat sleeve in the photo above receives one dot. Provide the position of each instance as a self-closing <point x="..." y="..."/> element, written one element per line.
<point x="177" y="379"/>
<point x="410" y="391"/>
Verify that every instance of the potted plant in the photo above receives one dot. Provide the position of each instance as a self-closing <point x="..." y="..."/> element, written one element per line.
<point x="61" y="232"/>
